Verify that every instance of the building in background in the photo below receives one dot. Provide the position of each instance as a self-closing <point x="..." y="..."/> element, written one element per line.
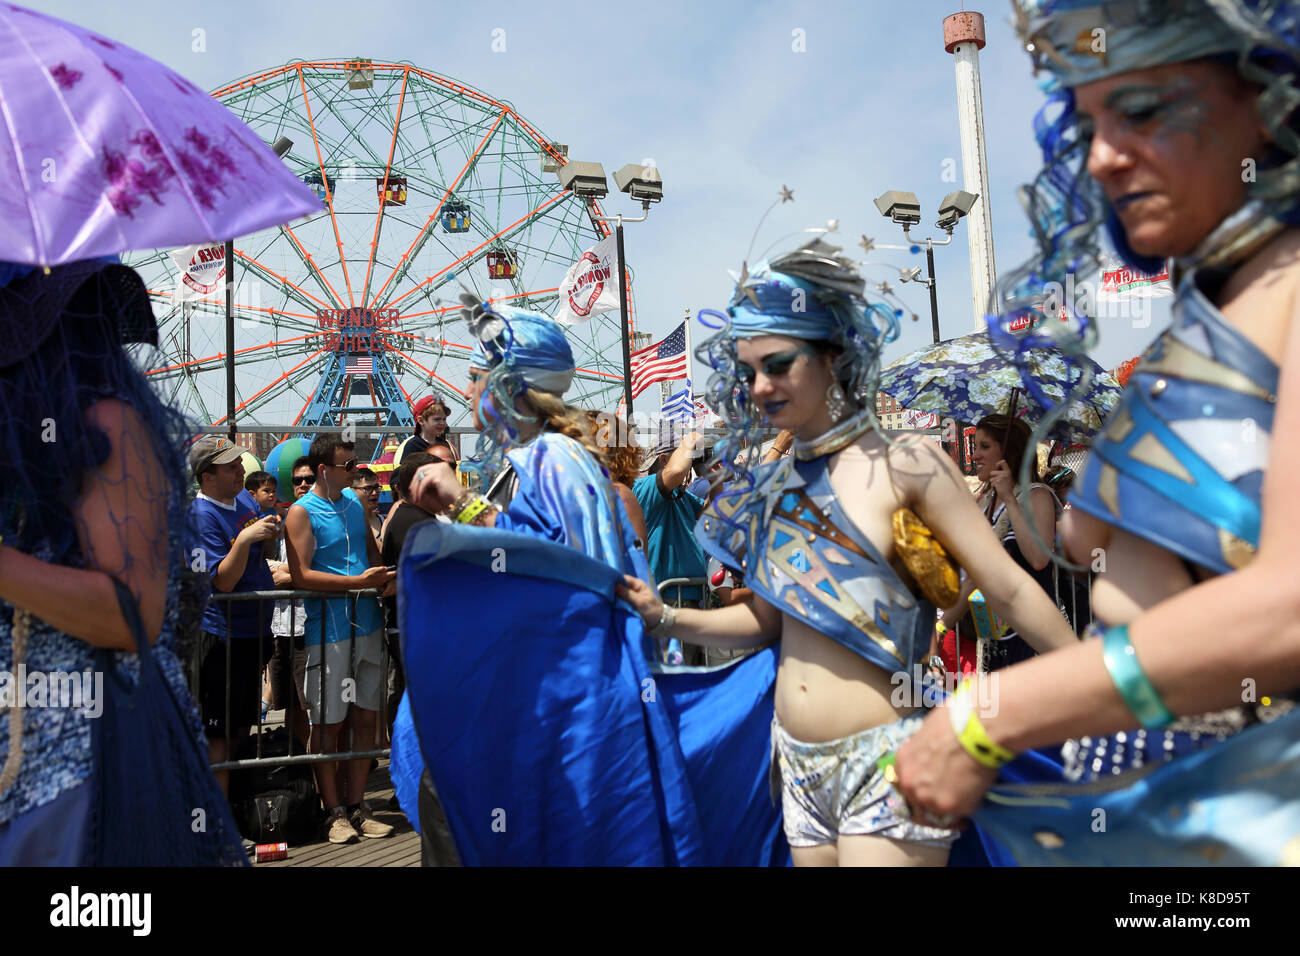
<point x="889" y="411"/>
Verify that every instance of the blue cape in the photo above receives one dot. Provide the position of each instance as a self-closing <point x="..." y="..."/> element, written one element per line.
<point x="549" y="738"/>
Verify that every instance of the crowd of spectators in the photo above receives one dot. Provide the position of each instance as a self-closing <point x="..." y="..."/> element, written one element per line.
<point x="334" y="664"/>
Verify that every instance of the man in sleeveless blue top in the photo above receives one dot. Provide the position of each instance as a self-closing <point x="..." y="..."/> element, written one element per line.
<point x="330" y="548"/>
<point x="1197" y="525"/>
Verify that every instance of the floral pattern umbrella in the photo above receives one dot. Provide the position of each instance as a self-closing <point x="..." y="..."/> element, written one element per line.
<point x="106" y="150"/>
<point x="965" y="379"/>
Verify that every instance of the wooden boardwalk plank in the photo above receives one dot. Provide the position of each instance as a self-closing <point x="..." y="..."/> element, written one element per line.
<point x="401" y="849"/>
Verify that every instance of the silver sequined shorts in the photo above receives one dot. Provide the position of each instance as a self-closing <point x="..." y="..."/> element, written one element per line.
<point x="834" y="789"/>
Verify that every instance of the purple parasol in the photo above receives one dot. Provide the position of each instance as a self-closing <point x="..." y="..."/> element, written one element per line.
<point x="108" y="150"/>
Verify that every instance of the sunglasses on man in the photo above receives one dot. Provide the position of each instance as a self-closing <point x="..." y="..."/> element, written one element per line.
<point x="305" y="480"/>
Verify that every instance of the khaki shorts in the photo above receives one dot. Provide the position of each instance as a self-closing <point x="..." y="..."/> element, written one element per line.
<point x="350" y="678"/>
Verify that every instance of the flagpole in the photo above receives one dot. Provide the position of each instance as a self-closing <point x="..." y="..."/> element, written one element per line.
<point x="690" y="379"/>
<point x="622" y="308"/>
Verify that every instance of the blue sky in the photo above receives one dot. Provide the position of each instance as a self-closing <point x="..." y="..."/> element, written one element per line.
<point x="716" y="94"/>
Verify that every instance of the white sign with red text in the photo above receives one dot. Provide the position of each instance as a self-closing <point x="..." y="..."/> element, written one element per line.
<point x="202" y="270"/>
<point x="1122" y="282"/>
<point x="591" y="285"/>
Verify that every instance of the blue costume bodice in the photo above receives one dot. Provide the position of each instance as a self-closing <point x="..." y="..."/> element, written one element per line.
<point x="801" y="553"/>
<point x="1181" y="461"/>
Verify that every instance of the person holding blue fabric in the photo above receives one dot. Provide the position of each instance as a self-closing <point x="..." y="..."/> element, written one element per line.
<point x="543" y="475"/>
<point x="813" y="532"/>
<point x="96" y="585"/>
<point x="1186" y="495"/>
<point x="542" y="467"/>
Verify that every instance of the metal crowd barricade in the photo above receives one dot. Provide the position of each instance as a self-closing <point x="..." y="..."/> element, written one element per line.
<point x="708" y="655"/>
<point x="267" y="599"/>
<point x="1073" y="596"/>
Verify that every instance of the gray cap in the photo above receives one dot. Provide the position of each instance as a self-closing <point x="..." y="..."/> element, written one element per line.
<point x="213" y="450"/>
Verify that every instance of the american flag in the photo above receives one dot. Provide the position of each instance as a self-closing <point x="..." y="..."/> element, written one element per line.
<point x="359" y="366"/>
<point x="660" y="362"/>
<point x="678" y="408"/>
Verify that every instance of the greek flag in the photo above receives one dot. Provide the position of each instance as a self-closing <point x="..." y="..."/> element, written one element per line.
<point x="679" y="407"/>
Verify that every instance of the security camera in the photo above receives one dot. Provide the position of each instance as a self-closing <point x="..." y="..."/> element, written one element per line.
<point x="902" y="207"/>
<point x="642" y="183"/>
<point x="955" y="205"/>
<point x="584" y="179"/>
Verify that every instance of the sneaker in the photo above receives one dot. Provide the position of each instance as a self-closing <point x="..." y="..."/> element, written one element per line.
<point x="364" y="821"/>
<point x="339" y="829"/>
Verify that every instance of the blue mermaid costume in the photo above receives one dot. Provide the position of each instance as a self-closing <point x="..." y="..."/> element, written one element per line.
<point x="1180" y="463"/>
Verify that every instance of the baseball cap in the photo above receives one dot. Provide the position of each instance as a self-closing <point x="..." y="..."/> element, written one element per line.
<point x="423" y="404"/>
<point x="212" y="450"/>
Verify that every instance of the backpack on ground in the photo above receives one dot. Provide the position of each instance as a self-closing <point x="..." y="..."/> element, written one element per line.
<point x="276" y="803"/>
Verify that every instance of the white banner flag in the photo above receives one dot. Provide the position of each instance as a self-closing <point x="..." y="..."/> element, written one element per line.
<point x="201" y="271"/>
<point x="915" y="419"/>
<point x="1118" y="281"/>
<point x="591" y="285"/>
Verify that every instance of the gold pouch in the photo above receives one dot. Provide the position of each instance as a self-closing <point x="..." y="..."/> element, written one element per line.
<point x="930" y="565"/>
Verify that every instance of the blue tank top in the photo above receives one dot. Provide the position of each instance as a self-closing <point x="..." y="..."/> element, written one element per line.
<point x="340" y="531"/>
<point x="1181" y="460"/>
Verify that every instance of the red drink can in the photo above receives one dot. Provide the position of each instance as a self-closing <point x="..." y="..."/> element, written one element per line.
<point x="266" y="852"/>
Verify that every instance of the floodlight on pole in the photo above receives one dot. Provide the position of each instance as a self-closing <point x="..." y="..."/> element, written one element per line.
<point x="905" y="209"/>
<point x="586" y="180"/>
<point x="641" y="181"/>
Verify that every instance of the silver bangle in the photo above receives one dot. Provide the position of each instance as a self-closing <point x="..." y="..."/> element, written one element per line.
<point x="667" y="617"/>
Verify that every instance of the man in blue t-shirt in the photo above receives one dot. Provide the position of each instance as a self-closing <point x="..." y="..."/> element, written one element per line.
<point x="232" y="533"/>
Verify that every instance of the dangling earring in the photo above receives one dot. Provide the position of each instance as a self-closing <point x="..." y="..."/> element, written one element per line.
<point x="835" y="402"/>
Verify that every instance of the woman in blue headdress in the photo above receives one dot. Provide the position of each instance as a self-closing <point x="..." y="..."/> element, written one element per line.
<point x="542" y="468"/>
<point x="814" y="535"/>
<point x="1174" y="131"/>
<point x="543" y="475"/>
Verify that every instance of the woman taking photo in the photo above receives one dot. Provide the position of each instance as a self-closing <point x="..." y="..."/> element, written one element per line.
<point x="1001" y="444"/>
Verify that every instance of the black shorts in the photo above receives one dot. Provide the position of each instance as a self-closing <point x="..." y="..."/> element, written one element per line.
<point x="247" y="658"/>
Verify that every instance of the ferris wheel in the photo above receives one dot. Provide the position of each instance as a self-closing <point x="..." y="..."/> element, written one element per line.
<point x="427" y="187"/>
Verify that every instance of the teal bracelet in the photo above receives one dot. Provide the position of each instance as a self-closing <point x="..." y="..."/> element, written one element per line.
<point x="1131" y="681"/>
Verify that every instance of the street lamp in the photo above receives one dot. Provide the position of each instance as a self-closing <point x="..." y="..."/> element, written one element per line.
<point x="641" y="183"/>
<point x="904" y="209"/>
<point x="280" y="148"/>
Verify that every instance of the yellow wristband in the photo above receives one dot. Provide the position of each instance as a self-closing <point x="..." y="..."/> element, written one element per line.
<point x="971" y="733"/>
<point x="472" y="510"/>
<point x="941" y="628"/>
